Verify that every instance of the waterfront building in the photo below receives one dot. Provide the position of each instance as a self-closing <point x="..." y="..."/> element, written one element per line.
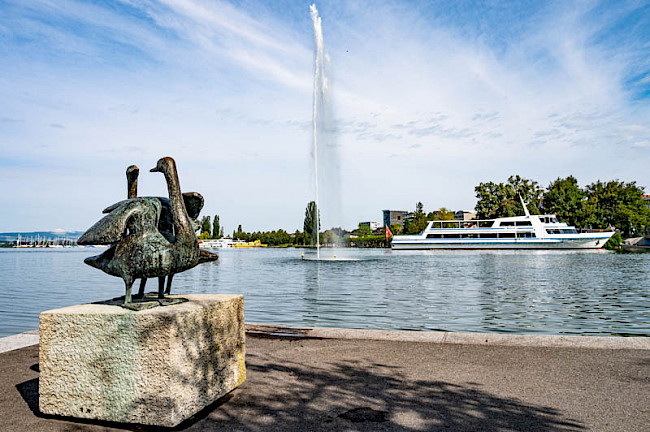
<point x="392" y="217"/>
<point x="464" y="215"/>
<point x="372" y="225"/>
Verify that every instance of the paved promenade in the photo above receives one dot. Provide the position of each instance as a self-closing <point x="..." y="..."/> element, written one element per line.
<point x="324" y="379"/>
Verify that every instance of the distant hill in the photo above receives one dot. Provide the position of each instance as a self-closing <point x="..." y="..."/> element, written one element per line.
<point x="10" y="237"/>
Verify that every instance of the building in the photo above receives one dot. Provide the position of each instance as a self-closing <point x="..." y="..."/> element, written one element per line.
<point x="372" y="225"/>
<point x="464" y="215"/>
<point x="392" y="217"/>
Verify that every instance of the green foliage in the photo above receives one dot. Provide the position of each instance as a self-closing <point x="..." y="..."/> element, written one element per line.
<point x="502" y="200"/>
<point x="600" y="205"/>
<point x="529" y="190"/>
<point x="618" y="204"/>
<point x="614" y="242"/>
<point x="204" y="235"/>
<point x="363" y="230"/>
<point x="272" y="238"/>
<point x="370" y="241"/>
<point x="312" y="216"/>
<point x="565" y="199"/>
<point x="419" y="221"/>
<point x="333" y="237"/>
<point x="396" y="229"/>
<point x="206" y="226"/>
<point x="216" y="228"/>
<point x="441" y="215"/>
<point x="240" y="234"/>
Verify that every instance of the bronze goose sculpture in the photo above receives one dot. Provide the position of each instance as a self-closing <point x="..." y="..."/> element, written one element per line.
<point x="139" y="248"/>
<point x="193" y="204"/>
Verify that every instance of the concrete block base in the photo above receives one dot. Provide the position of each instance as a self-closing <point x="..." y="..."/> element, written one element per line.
<point x="155" y="367"/>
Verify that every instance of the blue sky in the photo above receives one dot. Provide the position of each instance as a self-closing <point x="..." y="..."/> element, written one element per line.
<point x="429" y="99"/>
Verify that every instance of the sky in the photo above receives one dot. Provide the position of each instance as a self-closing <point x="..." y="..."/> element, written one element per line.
<point x="427" y="100"/>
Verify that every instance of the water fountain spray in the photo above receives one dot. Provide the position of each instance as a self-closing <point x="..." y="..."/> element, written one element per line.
<point x="319" y="89"/>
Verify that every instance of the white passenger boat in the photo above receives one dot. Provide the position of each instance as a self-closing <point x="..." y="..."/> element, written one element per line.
<point x="519" y="232"/>
<point x="223" y="242"/>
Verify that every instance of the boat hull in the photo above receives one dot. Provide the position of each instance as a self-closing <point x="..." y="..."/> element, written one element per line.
<point x="577" y="243"/>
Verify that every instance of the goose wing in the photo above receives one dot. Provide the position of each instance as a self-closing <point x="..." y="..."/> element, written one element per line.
<point x="193" y="204"/>
<point x="129" y="216"/>
<point x="110" y="208"/>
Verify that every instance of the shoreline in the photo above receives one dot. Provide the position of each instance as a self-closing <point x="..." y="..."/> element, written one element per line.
<point x="31" y="337"/>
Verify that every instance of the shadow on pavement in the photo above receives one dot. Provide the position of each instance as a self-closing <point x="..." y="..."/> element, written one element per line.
<point x="348" y="395"/>
<point x="361" y="395"/>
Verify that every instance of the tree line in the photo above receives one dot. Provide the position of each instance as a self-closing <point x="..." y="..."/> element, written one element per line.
<point x="599" y="205"/>
<point x="214" y="230"/>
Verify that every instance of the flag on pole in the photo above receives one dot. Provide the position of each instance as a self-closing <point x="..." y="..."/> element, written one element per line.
<point x="388" y="233"/>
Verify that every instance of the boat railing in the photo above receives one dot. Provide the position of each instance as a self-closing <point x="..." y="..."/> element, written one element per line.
<point x="439" y="224"/>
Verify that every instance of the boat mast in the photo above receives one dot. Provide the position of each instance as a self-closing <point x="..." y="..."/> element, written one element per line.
<point x="526" y="212"/>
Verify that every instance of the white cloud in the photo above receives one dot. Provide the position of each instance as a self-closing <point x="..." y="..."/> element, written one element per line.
<point x="426" y="107"/>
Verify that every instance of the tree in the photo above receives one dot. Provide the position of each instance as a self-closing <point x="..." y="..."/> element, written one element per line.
<point x="396" y="229"/>
<point x="566" y="200"/>
<point x="441" y="215"/>
<point x="529" y="190"/>
<point x="618" y="204"/>
<point x="502" y="200"/>
<point x="240" y="234"/>
<point x="364" y="230"/>
<point x="312" y="217"/>
<point x="419" y="221"/>
<point x="205" y="225"/>
<point x="216" y="229"/>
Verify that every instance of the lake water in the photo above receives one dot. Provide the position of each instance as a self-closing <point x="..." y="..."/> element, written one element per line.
<point x="543" y="292"/>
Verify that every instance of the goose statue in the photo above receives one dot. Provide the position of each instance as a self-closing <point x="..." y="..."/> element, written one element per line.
<point x="148" y="236"/>
<point x="193" y="204"/>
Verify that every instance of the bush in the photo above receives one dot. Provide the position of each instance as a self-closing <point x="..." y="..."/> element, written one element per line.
<point x="614" y="242"/>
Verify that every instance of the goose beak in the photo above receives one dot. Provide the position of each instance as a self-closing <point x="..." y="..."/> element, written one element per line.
<point x="153" y="170"/>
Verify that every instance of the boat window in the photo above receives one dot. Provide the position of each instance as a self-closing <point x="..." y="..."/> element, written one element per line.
<point x="553" y="231"/>
<point x="508" y="223"/>
<point x="488" y="235"/>
<point x="527" y="234"/>
<point x="554" y="220"/>
<point x="569" y="231"/>
<point x="524" y="223"/>
<point x="506" y="235"/>
<point x="445" y="236"/>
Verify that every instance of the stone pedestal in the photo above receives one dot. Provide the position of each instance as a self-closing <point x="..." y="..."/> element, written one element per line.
<point x="156" y="367"/>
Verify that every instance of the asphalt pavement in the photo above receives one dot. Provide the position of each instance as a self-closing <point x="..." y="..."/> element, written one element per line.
<point x="303" y="380"/>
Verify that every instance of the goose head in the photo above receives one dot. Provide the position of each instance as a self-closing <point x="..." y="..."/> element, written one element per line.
<point x="164" y="165"/>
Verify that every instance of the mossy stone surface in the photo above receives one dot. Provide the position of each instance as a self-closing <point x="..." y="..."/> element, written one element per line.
<point x="157" y="366"/>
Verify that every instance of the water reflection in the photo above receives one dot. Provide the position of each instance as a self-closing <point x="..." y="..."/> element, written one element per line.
<point x="520" y="291"/>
